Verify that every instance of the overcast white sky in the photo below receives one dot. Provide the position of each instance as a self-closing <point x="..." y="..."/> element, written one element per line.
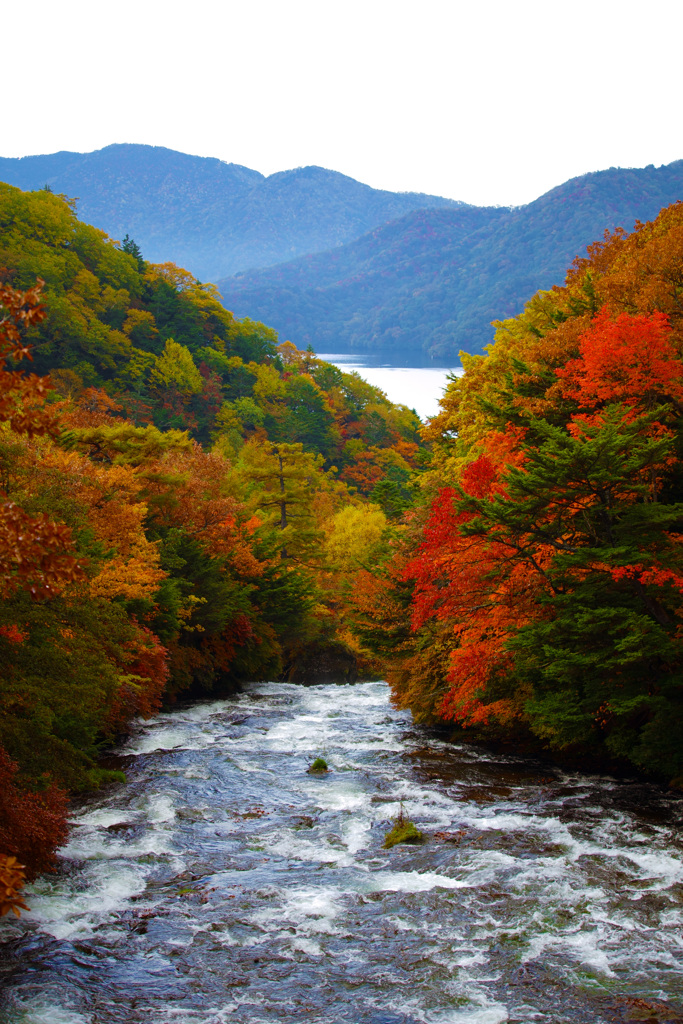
<point x="488" y="101"/>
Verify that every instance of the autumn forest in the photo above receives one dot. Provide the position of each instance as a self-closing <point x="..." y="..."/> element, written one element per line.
<point x="188" y="502"/>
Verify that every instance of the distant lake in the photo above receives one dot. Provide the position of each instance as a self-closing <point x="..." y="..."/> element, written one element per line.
<point x="418" y="386"/>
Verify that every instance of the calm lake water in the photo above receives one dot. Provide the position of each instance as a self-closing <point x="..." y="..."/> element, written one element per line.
<point x="223" y="884"/>
<point x="418" y="387"/>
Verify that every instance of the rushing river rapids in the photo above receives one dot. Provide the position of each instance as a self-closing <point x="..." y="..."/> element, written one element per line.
<point x="224" y="884"/>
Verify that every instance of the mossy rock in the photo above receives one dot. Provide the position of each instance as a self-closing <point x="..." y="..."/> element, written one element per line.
<point x="403" y="832"/>
<point x="319" y="767"/>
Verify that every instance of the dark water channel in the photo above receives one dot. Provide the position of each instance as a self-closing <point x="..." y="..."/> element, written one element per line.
<point x="224" y="885"/>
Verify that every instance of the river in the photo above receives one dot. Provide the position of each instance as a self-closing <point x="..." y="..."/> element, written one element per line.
<point x="223" y="884"/>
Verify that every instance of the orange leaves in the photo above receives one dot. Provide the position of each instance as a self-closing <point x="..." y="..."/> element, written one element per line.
<point x="35" y="553"/>
<point x="508" y="593"/>
<point x="93" y="408"/>
<point x="252" y="524"/>
<point x="21" y="396"/>
<point x="639" y="272"/>
<point x="109" y="496"/>
<point x="629" y="359"/>
<point x="12" y="878"/>
<point x="134" y="576"/>
<point x="408" y="450"/>
<point x="189" y="490"/>
<point x="132" y="572"/>
<point x="502" y="448"/>
<point x="12" y="634"/>
<point x="365" y="471"/>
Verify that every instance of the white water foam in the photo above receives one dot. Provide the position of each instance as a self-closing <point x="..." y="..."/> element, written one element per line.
<point x="223" y="842"/>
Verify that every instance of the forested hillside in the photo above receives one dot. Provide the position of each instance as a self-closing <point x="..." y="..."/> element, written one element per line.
<point x="535" y="597"/>
<point x="209" y="216"/>
<point x="185" y="503"/>
<point x="433" y="281"/>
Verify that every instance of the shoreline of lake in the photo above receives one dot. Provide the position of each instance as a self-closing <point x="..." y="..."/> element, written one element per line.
<point x="418" y="386"/>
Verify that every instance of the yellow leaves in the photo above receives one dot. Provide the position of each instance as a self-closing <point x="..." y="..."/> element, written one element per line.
<point x="67" y="383"/>
<point x="133" y="572"/>
<point x="175" y="368"/>
<point x="86" y="287"/>
<point x="124" y="444"/>
<point x="172" y="274"/>
<point x="290" y="354"/>
<point x="187" y="611"/>
<point x="269" y="385"/>
<point x="355" y="531"/>
<point x="140" y="320"/>
<point x="227" y="418"/>
<point x="296" y="359"/>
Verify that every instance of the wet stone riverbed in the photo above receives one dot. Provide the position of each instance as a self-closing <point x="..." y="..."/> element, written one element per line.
<point x="223" y="884"/>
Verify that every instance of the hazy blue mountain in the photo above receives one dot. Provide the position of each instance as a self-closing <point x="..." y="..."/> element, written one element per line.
<point x="374" y="270"/>
<point x="211" y="217"/>
<point x="434" y="279"/>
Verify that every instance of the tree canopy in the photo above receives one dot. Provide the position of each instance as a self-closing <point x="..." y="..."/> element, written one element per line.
<point x="544" y="563"/>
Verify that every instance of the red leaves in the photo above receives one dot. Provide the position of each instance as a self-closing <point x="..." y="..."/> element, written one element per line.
<point x="654" y="577"/>
<point x="484" y="587"/>
<point x="459" y="581"/>
<point x="474" y="584"/>
<point x="34" y="554"/>
<point x="478" y="477"/>
<point x="141" y="688"/>
<point x="629" y="359"/>
<point x="32" y="825"/>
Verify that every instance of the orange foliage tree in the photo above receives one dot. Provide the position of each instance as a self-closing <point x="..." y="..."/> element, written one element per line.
<point x="548" y="576"/>
<point x="35" y="552"/>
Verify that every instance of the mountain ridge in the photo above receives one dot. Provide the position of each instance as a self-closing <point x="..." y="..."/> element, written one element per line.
<point x="361" y="297"/>
<point x="337" y="264"/>
<point x="212" y="217"/>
